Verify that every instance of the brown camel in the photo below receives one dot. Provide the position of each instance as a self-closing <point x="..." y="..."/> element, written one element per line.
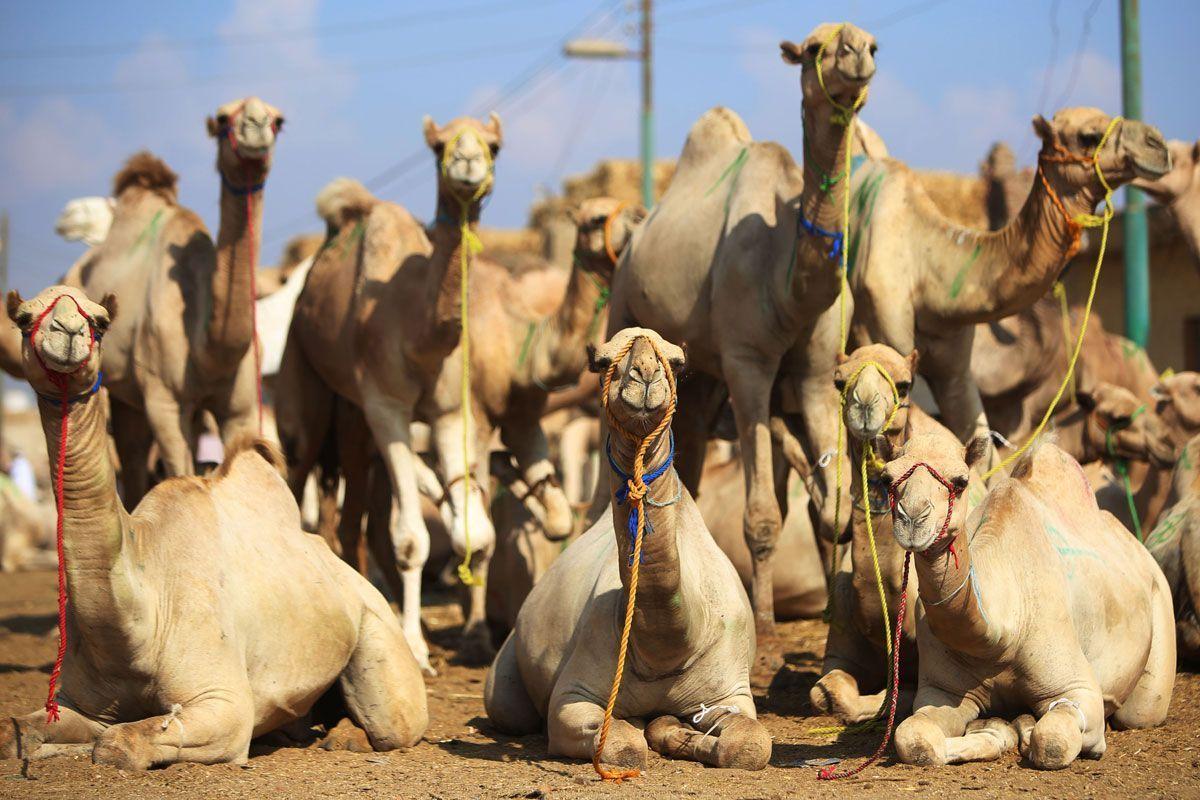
<point x="348" y="344"/>
<point x="1175" y="545"/>
<point x="186" y="342"/>
<point x="207" y="616"/>
<point x="1037" y="600"/>
<point x="10" y="348"/>
<point x="1179" y="190"/>
<point x="1176" y="416"/>
<point x="686" y="693"/>
<point x="856" y="652"/>
<point x="724" y="264"/>
<point x="921" y="281"/>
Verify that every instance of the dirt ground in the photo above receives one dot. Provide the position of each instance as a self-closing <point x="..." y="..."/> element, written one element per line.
<point x="461" y="757"/>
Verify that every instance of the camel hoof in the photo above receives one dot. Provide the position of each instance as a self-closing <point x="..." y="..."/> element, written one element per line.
<point x="559" y="522"/>
<point x="920" y="742"/>
<point x="1050" y="750"/>
<point x="348" y="737"/>
<point x="118" y="750"/>
<point x="625" y="754"/>
<point x="1024" y="728"/>
<point x="819" y="698"/>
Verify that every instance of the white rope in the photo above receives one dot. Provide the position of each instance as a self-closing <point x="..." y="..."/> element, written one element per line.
<point x="825" y="458"/>
<point x="703" y="712"/>
<point x="176" y="710"/>
<point x="1002" y="440"/>
<point x="1066" y="701"/>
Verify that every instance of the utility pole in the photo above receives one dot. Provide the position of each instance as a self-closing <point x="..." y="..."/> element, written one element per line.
<point x="4" y="243"/>
<point x="647" y="105"/>
<point x="1137" y="244"/>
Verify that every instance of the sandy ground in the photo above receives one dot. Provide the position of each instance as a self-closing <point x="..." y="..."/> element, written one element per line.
<point x="462" y="758"/>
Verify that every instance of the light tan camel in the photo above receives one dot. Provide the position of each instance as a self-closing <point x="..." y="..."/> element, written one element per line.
<point x="692" y="640"/>
<point x="26" y="534"/>
<point x="1176" y="417"/>
<point x="207" y="617"/>
<point x="186" y="342"/>
<point x="377" y="326"/>
<point x="1179" y="190"/>
<point x="922" y="281"/>
<point x="725" y="266"/>
<point x="86" y="219"/>
<point x="297" y="250"/>
<point x="1175" y="545"/>
<point x="856" y="651"/>
<point x="1037" y="600"/>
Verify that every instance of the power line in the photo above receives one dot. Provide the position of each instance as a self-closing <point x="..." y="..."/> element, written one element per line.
<point x="262" y="37"/>
<point x="900" y="15"/>
<point x="1048" y="78"/>
<point x="1084" y="33"/>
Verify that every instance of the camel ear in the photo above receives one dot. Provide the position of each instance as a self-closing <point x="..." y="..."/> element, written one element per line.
<point x="1042" y="128"/>
<point x="913" y="359"/>
<point x="432" y="133"/>
<point x="213" y="126"/>
<point x="637" y="214"/>
<point x="14" y="310"/>
<point x="977" y="450"/>
<point x="597" y="361"/>
<point x="676" y="357"/>
<point x="791" y="53"/>
<point x="842" y="358"/>
<point x="109" y="304"/>
<point x="495" y="128"/>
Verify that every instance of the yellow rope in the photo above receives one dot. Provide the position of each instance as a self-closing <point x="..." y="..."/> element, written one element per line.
<point x="470" y="245"/>
<point x="1060" y="291"/>
<point x="1087" y="221"/>
<point x="637" y="492"/>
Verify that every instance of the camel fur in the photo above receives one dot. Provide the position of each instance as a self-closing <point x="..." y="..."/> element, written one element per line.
<point x="207" y="616"/>
<point x="1179" y="191"/>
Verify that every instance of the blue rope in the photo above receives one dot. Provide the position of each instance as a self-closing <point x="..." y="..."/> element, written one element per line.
<point x="56" y="402"/>
<point x="623" y="492"/>
<point x="241" y="191"/>
<point x="978" y="596"/>
<point x="835" y="237"/>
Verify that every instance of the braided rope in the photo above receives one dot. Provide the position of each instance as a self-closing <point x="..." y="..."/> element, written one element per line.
<point x="637" y="490"/>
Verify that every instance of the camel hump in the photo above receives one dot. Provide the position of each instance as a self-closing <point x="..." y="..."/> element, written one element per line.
<point x="247" y="443"/>
<point x="344" y="200"/>
<point x="144" y="170"/>
<point x="717" y="129"/>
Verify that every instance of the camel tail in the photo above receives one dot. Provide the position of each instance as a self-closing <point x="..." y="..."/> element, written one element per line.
<point x="344" y="200"/>
<point x="249" y="442"/>
<point x="147" y="171"/>
<point x="716" y="130"/>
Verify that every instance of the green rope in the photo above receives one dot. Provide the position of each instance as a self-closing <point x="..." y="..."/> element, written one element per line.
<point x="1122" y="468"/>
<point x="528" y="341"/>
<point x="150" y="231"/>
<point x="731" y="172"/>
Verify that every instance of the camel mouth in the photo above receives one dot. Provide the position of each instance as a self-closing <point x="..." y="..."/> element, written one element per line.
<point x="59" y="364"/>
<point x="254" y="152"/>
<point x="1154" y="167"/>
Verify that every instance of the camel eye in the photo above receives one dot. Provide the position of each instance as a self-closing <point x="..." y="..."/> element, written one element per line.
<point x="813" y="49"/>
<point x="1090" y="138"/>
<point x="959" y="482"/>
<point x="903" y="388"/>
<point x="874" y="49"/>
<point x="839" y="384"/>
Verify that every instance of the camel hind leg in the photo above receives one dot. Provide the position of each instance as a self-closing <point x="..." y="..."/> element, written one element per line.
<point x="505" y="697"/>
<point x="1147" y="705"/>
<point x="382" y="684"/>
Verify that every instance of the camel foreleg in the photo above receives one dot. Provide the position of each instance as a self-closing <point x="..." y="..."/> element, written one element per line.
<point x="574" y="731"/>
<point x="522" y="434"/>
<point x="28" y="736"/>
<point x="1067" y="726"/>
<point x="215" y="729"/>
<point x="726" y="739"/>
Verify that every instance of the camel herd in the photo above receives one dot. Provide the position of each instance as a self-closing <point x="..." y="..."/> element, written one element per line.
<point x="766" y="451"/>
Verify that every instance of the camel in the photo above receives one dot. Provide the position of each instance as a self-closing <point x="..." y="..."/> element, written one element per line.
<point x="724" y="265"/>
<point x="26" y="535"/>
<point x="347" y="347"/>
<point x="186" y="343"/>
<point x="692" y="637"/>
<point x="1176" y="417"/>
<point x="1175" y="545"/>
<point x="856" y="652"/>
<point x="1179" y="190"/>
<point x="1036" y="601"/>
<point x="86" y="219"/>
<point x="10" y="348"/>
<point x="298" y="251"/>
<point x="206" y="617"/>
<point x="922" y="281"/>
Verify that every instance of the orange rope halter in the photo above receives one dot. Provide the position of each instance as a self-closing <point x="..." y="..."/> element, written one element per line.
<point x="608" y="223"/>
<point x="637" y="492"/>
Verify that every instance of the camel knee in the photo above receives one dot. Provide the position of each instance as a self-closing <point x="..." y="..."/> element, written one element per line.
<point x="761" y="530"/>
<point x="1055" y="741"/>
<point x="920" y="741"/>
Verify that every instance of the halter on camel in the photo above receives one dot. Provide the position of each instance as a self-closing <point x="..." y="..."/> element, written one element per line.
<point x="60" y="380"/>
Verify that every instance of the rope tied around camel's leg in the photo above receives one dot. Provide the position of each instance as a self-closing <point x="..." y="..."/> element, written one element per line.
<point x="705" y="710"/>
<point x="174" y="716"/>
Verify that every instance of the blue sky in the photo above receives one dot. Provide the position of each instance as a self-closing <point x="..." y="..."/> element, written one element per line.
<point x="83" y="85"/>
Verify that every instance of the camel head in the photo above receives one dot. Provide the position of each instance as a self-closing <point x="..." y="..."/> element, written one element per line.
<point x="245" y="131"/>
<point x="923" y="514"/>
<point x="847" y="63"/>
<point x="1069" y="141"/>
<point x="1117" y="425"/>
<point x="642" y="389"/>
<point x="1176" y="416"/>
<point x="466" y="150"/>
<point x="869" y="399"/>
<point x="999" y="164"/>
<point x="1184" y="177"/>
<point x="605" y="225"/>
<point x="61" y="329"/>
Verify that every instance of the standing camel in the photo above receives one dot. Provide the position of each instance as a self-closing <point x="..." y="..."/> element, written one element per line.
<point x="186" y="342"/>
<point x="921" y="281"/>
<point x="207" y="616"/>
<point x="377" y="326"/>
<point x="724" y="265"/>
<point x="692" y="636"/>
<point x="1179" y="190"/>
<point x="1038" y="600"/>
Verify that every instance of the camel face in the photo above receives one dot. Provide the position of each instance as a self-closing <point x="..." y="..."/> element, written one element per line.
<point x="847" y="65"/>
<point x="604" y="227"/>
<point x="1117" y="425"/>
<point x="60" y="328"/>
<point x="640" y="392"/>
<point x="1176" y="418"/>
<point x="1133" y="150"/>
<point x="868" y="394"/>
<point x="1184" y="174"/>
<point x="466" y="151"/>
<point x="922" y="513"/>
<point x="246" y="129"/>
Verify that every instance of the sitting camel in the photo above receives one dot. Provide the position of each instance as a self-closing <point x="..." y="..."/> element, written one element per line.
<point x="920" y="280"/>
<point x="1037" y="600"/>
<point x="1175" y="545"/>
<point x="186" y="342"/>
<point x="692" y="640"/>
<point x="1179" y="190"/>
<point x="207" y="617"/>
<point x="856" y="651"/>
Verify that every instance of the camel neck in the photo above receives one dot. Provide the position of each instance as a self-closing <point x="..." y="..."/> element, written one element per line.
<point x="661" y="632"/>
<point x="1153" y="487"/>
<point x="889" y="552"/>
<point x="821" y="207"/>
<point x="239" y="239"/>
<point x="973" y="277"/>
<point x="446" y="265"/>
<point x="558" y="351"/>
<point x="94" y="520"/>
<point x="952" y="598"/>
